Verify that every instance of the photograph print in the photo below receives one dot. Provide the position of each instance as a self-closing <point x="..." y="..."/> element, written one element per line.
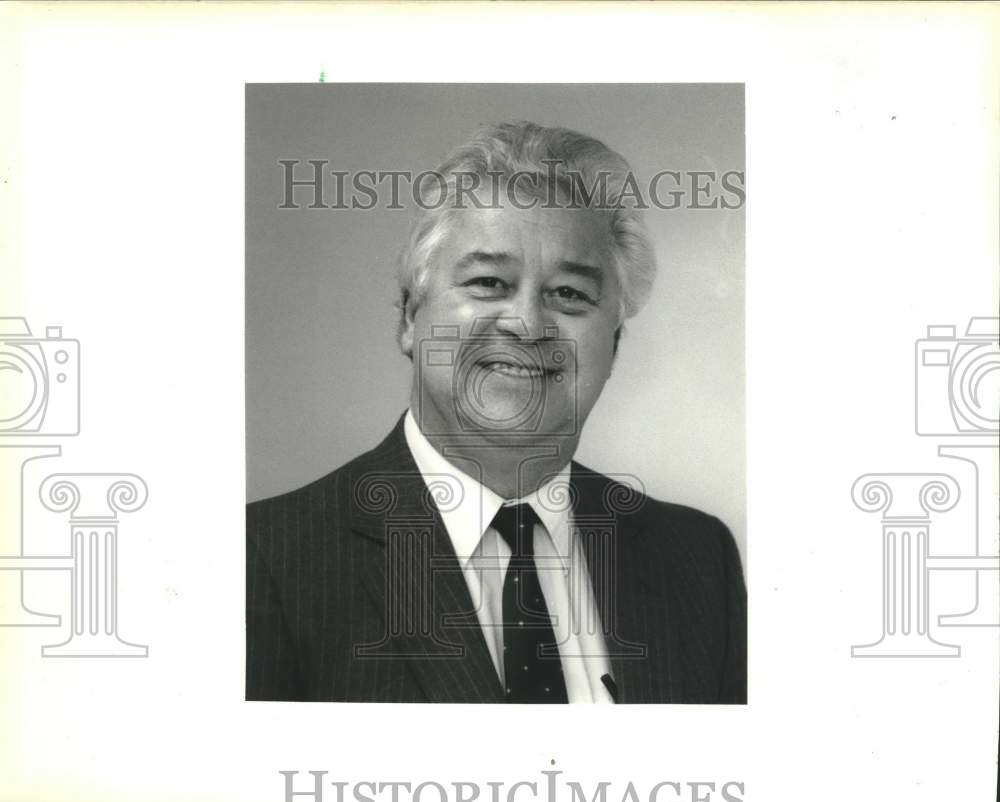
<point x="495" y="435"/>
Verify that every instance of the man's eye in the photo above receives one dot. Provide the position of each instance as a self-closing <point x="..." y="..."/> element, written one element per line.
<point x="573" y="295"/>
<point x="486" y="286"/>
<point x="490" y="282"/>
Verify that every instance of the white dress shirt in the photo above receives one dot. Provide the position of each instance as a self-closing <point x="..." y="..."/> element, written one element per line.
<point x="467" y="508"/>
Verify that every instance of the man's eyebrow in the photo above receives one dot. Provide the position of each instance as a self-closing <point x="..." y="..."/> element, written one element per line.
<point x="595" y="274"/>
<point x="489" y="257"/>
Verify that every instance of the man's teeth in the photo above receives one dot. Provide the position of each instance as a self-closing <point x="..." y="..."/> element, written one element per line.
<point x="513" y="370"/>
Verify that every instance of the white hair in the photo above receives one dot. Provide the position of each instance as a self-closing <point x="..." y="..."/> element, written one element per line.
<point x="517" y="149"/>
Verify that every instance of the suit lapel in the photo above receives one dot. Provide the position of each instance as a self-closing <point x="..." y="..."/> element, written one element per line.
<point x="604" y="516"/>
<point x="409" y="567"/>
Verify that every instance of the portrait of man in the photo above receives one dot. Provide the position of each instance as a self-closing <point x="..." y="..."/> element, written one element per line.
<point x="468" y="556"/>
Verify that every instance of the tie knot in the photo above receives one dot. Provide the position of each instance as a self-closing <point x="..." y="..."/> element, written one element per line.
<point x="516" y="526"/>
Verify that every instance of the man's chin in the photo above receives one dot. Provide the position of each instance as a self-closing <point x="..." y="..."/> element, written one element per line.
<point x="500" y="421"/>
<point x="519" y="435"/>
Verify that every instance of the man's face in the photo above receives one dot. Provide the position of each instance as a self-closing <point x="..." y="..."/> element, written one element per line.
<point x="514" y="338"/>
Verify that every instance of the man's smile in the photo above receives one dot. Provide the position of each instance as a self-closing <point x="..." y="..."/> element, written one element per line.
<point x="515" y="367"/>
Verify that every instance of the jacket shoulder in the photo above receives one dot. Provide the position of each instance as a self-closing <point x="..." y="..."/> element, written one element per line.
<point x="670" y="523"/>
<point x="319" y="493"/>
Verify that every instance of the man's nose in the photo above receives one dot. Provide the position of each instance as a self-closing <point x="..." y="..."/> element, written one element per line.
<point x="525" y="317"/>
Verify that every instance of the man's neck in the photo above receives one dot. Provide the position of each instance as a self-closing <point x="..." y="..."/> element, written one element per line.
<point x="509" y="471"/>
<point x="512" y="467"/>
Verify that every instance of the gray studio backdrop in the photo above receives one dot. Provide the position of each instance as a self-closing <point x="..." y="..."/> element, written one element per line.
<point x="324" y="378"/>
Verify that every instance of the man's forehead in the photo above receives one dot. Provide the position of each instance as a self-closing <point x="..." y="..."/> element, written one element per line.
<point x="564" y="234"/>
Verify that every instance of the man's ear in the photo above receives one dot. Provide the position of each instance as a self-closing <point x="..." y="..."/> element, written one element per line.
<point x="405" y="333"/>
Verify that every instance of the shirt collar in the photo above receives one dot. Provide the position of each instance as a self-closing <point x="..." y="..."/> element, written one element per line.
<point x="467" y="506"/>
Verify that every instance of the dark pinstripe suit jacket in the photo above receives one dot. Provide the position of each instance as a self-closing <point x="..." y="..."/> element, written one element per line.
<point x="354" y="593"/>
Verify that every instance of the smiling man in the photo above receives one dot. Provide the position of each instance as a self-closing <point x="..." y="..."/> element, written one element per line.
<point x="468" y="558"/>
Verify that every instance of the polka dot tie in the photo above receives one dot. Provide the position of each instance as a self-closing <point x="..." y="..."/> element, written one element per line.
<point x="533" y="672"/>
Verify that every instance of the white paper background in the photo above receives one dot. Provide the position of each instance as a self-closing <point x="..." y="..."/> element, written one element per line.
<point x="872" y="212"/>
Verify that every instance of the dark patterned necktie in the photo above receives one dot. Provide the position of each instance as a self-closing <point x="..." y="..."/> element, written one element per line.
<point x="533" y="672"/>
